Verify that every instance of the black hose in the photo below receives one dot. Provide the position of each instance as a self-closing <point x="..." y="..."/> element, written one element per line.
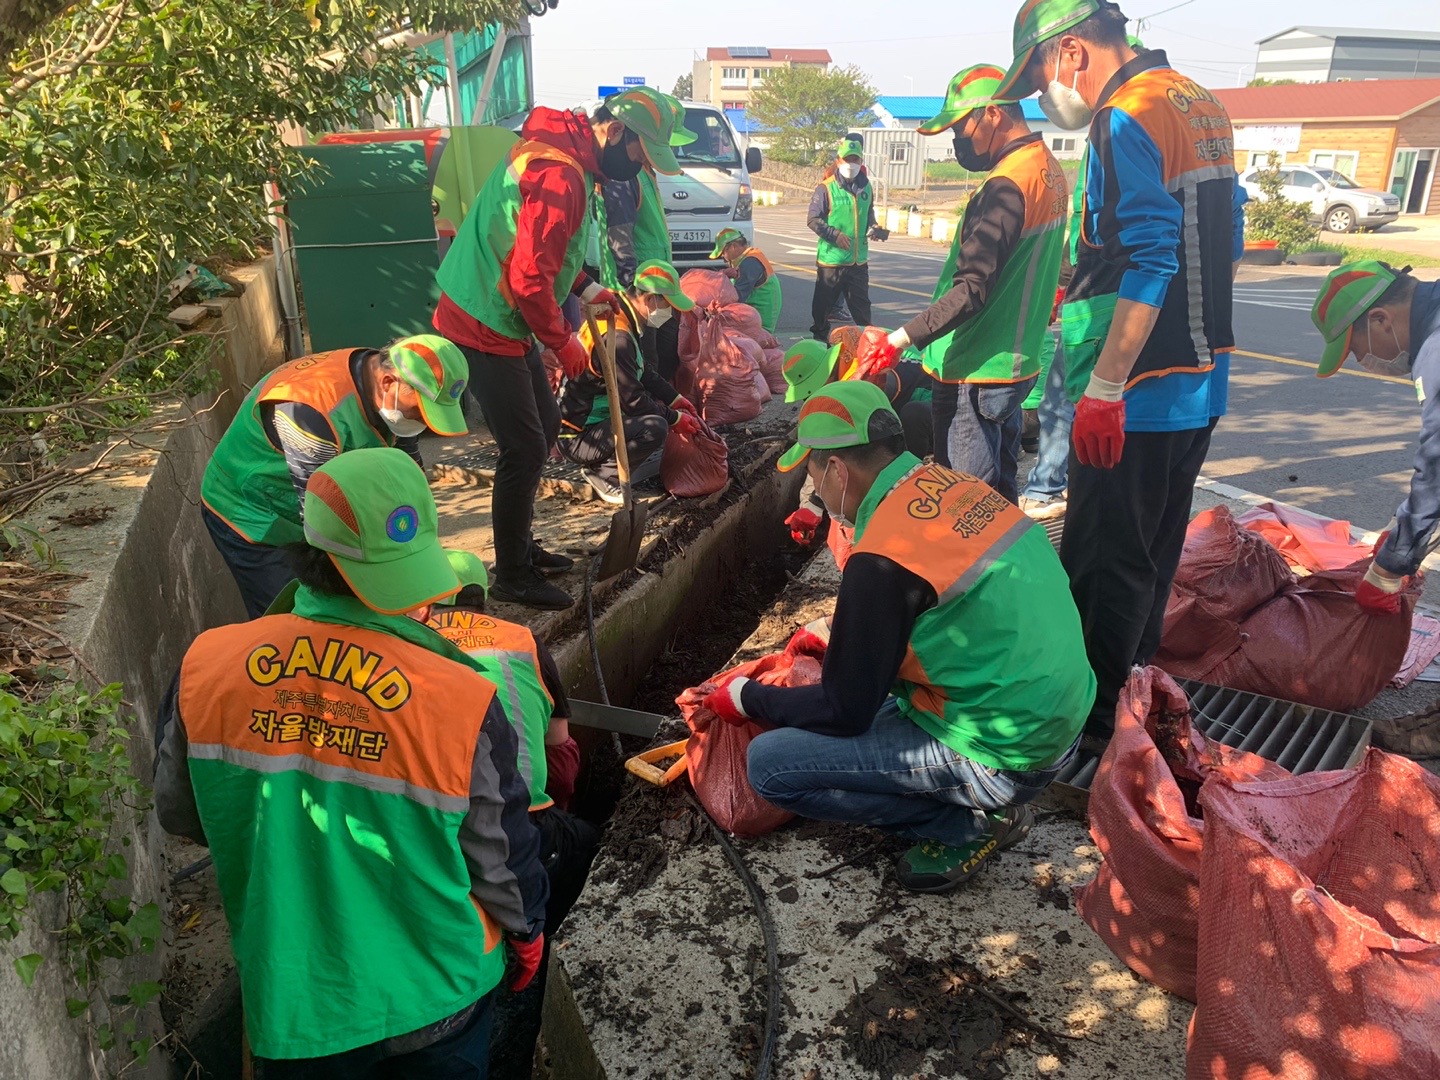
<point x="187" y="872"/>
<point x="590" y="572"/>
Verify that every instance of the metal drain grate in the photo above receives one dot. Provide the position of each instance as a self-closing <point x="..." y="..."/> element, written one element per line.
<point x="1300" y="738"/>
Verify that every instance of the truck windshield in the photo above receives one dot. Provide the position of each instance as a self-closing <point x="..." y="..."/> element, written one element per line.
<point x="713" y="144"/>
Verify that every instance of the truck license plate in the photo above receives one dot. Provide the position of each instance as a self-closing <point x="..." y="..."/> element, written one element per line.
<point x="689" y="236"/>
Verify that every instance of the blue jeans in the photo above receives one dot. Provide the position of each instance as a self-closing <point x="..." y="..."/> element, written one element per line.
<point x="894" y="777"/>
<point x="977" y="430"/>
<point x="1057" y="413"/>
<point x="261" y="572"/>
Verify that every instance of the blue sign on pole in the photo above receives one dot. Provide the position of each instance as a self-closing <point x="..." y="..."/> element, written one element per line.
<point x="634" y="80"/>
<point x="607" y="91"/>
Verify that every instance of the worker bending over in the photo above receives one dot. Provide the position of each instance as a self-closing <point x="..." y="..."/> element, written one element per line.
<point x="651" y="406"/>
<point x="842" y="215"/>
<point x="954" y="684"/>
<point x="354" y="777"/>
<point x="754" y="277"/>
<point x="1391" y="324"/>
<point x="299" y="417"/>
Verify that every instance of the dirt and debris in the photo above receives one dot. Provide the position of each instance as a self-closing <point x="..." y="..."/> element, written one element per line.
<point x="83" y="516"/>
<point x="32" y="600"/>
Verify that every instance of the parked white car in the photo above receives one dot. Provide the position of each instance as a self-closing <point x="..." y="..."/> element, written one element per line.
<point x="1335" y="200"/>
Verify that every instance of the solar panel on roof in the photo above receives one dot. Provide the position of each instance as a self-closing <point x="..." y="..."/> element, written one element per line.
<point x="749" y="52"/>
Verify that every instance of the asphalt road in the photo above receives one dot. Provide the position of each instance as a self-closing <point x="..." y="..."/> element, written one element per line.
<point x="1342" y="446"/>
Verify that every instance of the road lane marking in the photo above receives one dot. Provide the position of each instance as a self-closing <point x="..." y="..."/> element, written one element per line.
<point x="1313" y="367"/>
<point x="810" y="270"/>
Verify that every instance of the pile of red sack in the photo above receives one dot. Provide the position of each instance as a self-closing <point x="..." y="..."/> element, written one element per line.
<point x="730" y="365"/>
<point x="1238" y="616"/>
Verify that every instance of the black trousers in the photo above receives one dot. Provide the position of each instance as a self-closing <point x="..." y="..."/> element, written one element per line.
<point x="594" y="448"/>
<point x="523" y="417"/>
<point x="261" y="572"/>
<point x="833" y="281"/>
<point x="1124" y="531"/>
<point x="567" y="848"/>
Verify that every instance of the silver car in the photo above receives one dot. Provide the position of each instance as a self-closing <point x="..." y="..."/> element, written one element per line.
<point x="1336" y="202"/>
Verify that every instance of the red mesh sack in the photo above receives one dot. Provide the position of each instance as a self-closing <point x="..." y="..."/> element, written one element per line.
<point x="1145" y="901"/>
<point x="689" y="338"/>
<point x="772" y="366"/>
<point x="1236" y="569"/>
<point x="1315" y="645"/>
<point x="725" y="376"/>
<point x="717" y="752"/>
<point x="742" y="318"/>
<point x="692" y="465"/>
<point x="708" y="287"/>
<point x="840" y="541"/>
<point x="1320" y="927"/>
<point x="1304" y="539"/>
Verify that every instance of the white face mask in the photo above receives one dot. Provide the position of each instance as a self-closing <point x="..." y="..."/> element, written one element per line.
<point x="400" y="425"/>
<point x="661" y="315"/>
<point x="835" y="515"/>
<point x="1064" y="105"/>
<point x="1398" y="367"/>
<point x="849" y="169"/>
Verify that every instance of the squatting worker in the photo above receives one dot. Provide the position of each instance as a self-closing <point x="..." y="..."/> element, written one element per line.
<point x="842" y="215"/>
<point x="754" y="277"/>
<point x="1391" y="324"/>
<point x="983" y="335"/>
<point x="954" y="684"/>
<point x="517" y="256"/>
<point x="1145" y="323"/>
<point x="354" y="776"/>
<point x="649" y="405"/>
<point x="536" y="706"/>
<point x="299" y="417"/>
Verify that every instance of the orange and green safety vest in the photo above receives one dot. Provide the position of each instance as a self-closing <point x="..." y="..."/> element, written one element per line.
<point x="247" y="482"/>
<point x="996" y="670"/>
<point x="765" y="298"/>
<point x="851" y="215"/>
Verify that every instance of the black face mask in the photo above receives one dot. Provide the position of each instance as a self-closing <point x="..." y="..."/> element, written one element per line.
<point x="615" y="161"/>
<point x="969" y="156"/>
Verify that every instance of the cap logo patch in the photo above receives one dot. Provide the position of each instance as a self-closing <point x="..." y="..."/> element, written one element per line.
<point x="402" y="524"/>
<point x="456" y="389"/>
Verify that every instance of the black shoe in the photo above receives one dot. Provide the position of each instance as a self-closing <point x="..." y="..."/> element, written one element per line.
<point x="548" y="562"/>
<point x="527" y="587"/>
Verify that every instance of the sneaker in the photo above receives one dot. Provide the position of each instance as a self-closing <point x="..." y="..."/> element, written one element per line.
<point x="608" y="490"/>
<point x="1043" y="509"/>
<point x="933" y="867"/>
<point x="549" y="562"/>
<point x="531" y="590"/>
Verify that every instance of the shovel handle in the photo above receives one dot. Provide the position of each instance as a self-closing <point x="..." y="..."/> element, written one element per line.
<point x="642" y="765"/>
<point x="606" y="345"/>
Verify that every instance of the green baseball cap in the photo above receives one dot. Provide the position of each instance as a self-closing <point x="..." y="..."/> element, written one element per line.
<point x="807" y="366"/>
<point x="654" y="117"/>
<point x="840" y="415"/>
<point x="659" y="277"/>
<point x="724" y="239"/>
<point x="850" y="146"/>
<point x="469" y="568"/>
<point x="1348" y="293"/>
<point x="437" y="371"/>
<point x="971" y="89"/>
<point x="1037" y="21"/>
<point x="372" y="512"/>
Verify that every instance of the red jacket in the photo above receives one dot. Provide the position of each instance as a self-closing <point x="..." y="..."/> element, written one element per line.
<point x="553" y="210"/>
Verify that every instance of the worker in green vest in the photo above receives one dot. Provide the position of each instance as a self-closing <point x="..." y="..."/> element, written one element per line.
<point x="299" y="417"/>
<point x="955" y="682"/>
<point x="982" y="334"/>
<point x="754" y="277"/>
<point x="516" y="258"/>
<point x="842" y="215"/>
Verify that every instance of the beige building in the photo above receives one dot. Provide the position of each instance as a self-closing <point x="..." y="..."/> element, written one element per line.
<point x="727" y="77"/>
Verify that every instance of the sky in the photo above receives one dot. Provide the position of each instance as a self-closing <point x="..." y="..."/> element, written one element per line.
<point x="587" y="43"/>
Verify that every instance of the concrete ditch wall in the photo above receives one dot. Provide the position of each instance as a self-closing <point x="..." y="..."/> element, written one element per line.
<point x="153" y="581"/>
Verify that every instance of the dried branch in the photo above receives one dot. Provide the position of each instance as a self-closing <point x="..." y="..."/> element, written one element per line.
<point x="48" y="69"/>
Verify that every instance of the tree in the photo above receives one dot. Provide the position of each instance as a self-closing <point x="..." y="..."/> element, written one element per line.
<point x="1270" y="82"/>
<point x="1274" y="217"/>
<point x="809" y="108"/>
<point x="684" y="87"/>
<point x="137" y="134"/>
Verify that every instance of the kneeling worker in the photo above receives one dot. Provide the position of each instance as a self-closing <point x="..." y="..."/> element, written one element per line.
<point x="955" y="682"/>
<point x="1391" y="323"/>
<point x="650" y="405"/>
<point x="354" y="777"/>
<point x="754" y="277"/>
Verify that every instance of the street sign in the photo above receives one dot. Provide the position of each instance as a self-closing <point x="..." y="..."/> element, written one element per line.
<point x="607" y="91"/>
<point x="634" y="80"/>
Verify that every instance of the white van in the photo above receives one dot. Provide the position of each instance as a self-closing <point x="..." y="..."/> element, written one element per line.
<point x="712" y="191"/>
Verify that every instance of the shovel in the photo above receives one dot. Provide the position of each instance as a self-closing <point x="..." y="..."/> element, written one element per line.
<point x="627" y="525"/>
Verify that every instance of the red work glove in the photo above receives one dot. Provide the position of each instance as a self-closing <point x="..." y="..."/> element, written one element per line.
<point x="803" y="524"/>
<point x="805" y="641"/>
<point x="1055" y="307"/>
<point x="1099" y="430"/>
<point x="724" y="701"/>
<point x="684" y="404"/>
<point x="685" y="423"/>
<point x="562" y="771"/>
<point x="525" y="959"/>
<point x="1379" y="591"/>
<point x="574" y="358"/>
<point x="608" y="298"/>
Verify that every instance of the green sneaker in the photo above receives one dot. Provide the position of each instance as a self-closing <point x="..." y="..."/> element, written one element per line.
<point x="933" y="867"/>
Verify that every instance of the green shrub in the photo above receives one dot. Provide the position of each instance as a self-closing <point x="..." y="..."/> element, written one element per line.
<point x="1274" y="217"/>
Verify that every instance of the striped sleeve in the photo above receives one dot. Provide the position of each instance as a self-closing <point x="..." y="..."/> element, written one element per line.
<point x="305" y="437"/>
<point x="1147" y="216"/>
